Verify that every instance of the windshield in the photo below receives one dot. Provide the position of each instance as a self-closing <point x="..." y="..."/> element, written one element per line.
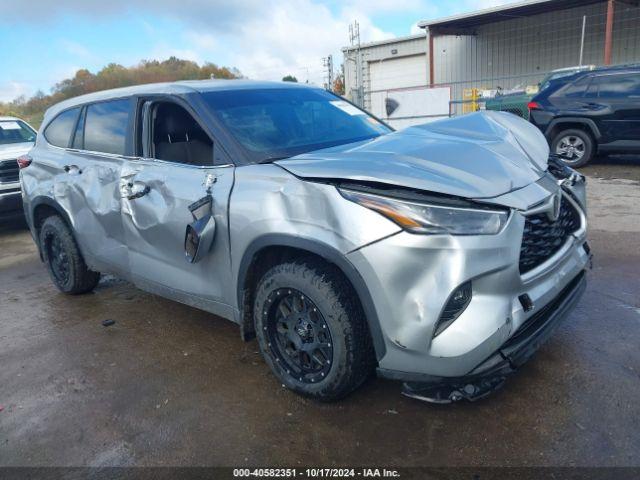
<point x="15" y="131"/>
<point x="274" y="123"/>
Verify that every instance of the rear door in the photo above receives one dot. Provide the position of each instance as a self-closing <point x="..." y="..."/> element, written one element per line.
<point x="616" y="99"/>
<point x="92" y="165"/>
<point x="161" y="194"/>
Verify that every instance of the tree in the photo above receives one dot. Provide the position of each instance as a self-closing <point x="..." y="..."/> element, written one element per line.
<point x="113" y="75"/>
<point x="338" y="85"/>
<point x="289" y="78"/>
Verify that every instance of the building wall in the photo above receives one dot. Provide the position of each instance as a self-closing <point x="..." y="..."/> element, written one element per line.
<point x="382" y="53"/>
<point x="509" y="53"/>
<point x="521" y="51"/>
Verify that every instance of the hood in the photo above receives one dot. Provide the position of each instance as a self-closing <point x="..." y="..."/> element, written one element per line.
<point x="14" y="150"/>
<point x="481" y="155"/>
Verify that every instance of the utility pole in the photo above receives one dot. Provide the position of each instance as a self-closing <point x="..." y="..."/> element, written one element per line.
<point x="584" y="26"/>
<point x="354" y="39"/>
<point x="608" y="33"/>
<point x="327" y="62"/>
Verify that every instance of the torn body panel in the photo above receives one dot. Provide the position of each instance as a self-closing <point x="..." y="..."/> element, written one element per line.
<point x="267" y="199"/>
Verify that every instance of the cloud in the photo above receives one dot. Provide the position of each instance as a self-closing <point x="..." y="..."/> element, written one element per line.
<point x="12" y="90"/>
<point x="75" y="49"/>
<point x="203" y="41"/>
<point x="293" y="37"/>
<point x="264" y="39"/>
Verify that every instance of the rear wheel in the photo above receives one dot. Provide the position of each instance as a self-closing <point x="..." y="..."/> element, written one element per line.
<point x="575" y="147"/>
<point x="64" y="261"/>
<point x="311" y="330"/>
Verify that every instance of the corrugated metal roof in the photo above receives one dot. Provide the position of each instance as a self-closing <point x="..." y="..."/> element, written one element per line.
<point x="504" y="12"/>
<point x="388" y="41"/>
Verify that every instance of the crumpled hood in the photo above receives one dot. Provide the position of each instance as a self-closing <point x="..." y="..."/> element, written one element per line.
<point x="14" y="150"/>
<point x="481" y="155"/>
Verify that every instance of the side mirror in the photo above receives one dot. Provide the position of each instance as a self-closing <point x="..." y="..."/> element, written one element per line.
<point x="200" y="233"/>
<point x="390" y="105"/>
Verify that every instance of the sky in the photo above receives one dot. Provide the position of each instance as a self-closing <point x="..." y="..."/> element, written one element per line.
<point x="45" y="41"/>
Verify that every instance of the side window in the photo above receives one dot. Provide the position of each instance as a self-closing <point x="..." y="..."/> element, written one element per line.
<point x="575" y="89"/>
<point x="618" y="86"/>
<point x="106" y="126"/>
<point x="177" y="137"/>
<point x="58" y="132"/>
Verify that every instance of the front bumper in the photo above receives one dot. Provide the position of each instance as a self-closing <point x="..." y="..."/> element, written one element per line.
<point x="492" y="372"/>
<point x="411" y="277"/>
<point x="10" y="202"/>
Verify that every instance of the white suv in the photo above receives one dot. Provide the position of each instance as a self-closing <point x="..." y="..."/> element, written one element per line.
<point x="16" y="139"/>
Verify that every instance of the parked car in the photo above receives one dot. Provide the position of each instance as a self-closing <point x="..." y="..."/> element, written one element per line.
<point x="441" y="255"/>
<point x="589" y="113"/>
<point x="16" y="138"/>
<point x="516" y="103"/>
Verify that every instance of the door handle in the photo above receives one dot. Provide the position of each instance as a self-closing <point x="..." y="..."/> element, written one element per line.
<point x="137" y="190"/>
<point x="72" y="169"/>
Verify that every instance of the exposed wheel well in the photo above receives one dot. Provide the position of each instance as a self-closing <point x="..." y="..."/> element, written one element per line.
<point x="261" y="262"/>
<point x="40" y="213"/>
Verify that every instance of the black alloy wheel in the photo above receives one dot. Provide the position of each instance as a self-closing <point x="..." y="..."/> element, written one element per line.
<point x="299" y="337"/>
<point x="63" y="258"/>
<point x="58" y="258"/>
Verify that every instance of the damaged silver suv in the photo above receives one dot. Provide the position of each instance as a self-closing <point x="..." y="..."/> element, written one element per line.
<point x="441" y="255"/>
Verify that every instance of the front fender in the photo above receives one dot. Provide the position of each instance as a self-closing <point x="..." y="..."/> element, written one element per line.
<point x="331" y="255"/>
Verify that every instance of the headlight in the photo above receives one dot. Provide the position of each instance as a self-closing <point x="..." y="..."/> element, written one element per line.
<point x="432" y="219"/>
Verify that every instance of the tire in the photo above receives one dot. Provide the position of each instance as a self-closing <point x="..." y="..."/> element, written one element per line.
<point x="337" y="321"/>
<point x="64" y="261"/>
<point x="582" y="150"/>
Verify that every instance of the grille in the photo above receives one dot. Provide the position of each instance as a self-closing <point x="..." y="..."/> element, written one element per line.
<point x="8" y="171"/>
<point x="543" y="237"/>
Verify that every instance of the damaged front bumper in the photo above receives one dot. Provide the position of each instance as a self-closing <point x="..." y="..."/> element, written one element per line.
<point x="492" y="372"/>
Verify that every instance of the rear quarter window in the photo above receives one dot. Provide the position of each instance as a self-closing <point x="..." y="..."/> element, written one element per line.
<point x="58" y="132"/>
<point x="106" y="126"/>
<point x="618" y="85"/>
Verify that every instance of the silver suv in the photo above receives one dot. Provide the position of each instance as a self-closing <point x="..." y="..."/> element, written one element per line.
<point x="441" y="255"/>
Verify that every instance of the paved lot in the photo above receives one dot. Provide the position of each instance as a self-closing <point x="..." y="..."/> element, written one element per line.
<point x="170" y="385"/>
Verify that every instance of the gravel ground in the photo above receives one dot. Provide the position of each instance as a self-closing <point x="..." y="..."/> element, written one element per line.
<point x="171" y="385"/>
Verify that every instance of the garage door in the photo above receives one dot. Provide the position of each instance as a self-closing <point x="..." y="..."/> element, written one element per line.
<point x="398" y="73"/>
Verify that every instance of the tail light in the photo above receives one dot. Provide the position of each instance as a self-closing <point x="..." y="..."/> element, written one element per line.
<point x="534" y="106"/>
<point x="24" y="161"/>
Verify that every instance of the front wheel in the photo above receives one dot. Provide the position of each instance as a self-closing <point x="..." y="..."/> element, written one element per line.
<point x="575" y="147"/>
<point x="64" y="260"/>
<point x="312" y="331"/>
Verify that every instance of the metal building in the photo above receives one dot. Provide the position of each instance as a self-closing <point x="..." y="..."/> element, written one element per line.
<point x="508" y="46"/>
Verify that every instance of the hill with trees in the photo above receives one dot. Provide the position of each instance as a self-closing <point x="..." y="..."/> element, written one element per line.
<point x="113" y="76"/>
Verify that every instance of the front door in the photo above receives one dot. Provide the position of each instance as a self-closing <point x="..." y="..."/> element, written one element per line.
<point x="159" y="195"/>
